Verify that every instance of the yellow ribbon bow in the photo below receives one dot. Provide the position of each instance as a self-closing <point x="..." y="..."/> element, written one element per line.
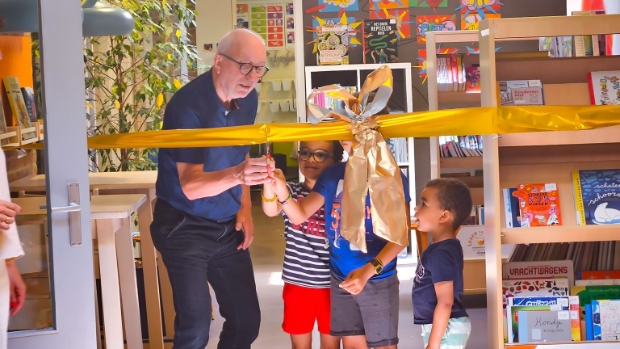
<point x="371" y="168"/>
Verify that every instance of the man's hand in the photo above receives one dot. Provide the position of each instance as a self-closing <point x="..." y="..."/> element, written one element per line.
<point x="8" y="211"/>
<point x="356" y="280"/>
<point x="245" y="224"/>
<point x="255" y="171"/>
<point x="17" y="288"/>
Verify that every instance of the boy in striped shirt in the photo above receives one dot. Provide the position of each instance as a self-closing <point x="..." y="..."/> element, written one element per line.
<point x="306" y="270"/>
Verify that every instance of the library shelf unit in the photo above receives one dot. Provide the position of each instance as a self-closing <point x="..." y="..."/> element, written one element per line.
<point x="401" y="101"/>
<point x="541" y="157"/>
<point x="474" y="280"/>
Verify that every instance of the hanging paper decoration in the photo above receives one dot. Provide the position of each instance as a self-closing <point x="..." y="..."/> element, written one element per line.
<point x="375" y="5"/>
<point x="403" y="21"/>
<point x="422" y="60"/>
<point x="480" y="7"/>
<point x="434" y="4"/>
<point x="338" y="5"/>
<point x="435" y="23"/>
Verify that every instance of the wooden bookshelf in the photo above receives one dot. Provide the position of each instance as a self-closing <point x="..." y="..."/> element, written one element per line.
<point x="547" y="157"/>
<point x="474" y="269"/>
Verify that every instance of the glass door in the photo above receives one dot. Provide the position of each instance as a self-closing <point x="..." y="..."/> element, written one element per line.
<point x="58" y="268"/>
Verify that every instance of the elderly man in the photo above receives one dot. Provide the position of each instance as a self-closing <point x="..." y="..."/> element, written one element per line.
<point x="202" y="221"/>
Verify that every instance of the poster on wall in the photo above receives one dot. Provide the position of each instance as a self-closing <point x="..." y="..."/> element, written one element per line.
<point x="375" y="5"/>
<point x="273" y="21"/>
<point x="434" y="23"/>
<point x="403" y="21"/>
<point x="472" y="20"/>
<point x="429" y="3"/>
<point x="290" y="25"/>
<point x="338" y="5"/>
<point x="243" y="16"/>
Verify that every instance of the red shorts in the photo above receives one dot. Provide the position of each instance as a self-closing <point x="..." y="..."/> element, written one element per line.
<point x="303" y="306"/>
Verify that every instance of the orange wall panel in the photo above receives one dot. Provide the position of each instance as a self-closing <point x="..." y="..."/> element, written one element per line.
<point x="16" y="61"/>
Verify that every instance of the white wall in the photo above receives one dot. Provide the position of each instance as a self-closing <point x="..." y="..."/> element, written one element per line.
<point x="215" y="18"/>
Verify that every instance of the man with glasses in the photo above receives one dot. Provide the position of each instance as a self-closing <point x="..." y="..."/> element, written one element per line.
<point x="202" y="222"/>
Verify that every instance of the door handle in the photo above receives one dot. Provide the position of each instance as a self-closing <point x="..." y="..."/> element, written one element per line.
<point x="75" y="217"/>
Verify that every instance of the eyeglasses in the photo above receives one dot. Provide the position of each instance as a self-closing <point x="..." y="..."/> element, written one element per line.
<point x="246" y="68"/>
<point x="318" y="156"/>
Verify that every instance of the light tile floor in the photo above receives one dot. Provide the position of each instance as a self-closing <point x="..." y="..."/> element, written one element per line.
<point x="267" y="252"/>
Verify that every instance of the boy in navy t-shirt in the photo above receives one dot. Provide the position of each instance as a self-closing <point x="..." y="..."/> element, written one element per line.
<point x="445" y="204"/>
<point x="364" y="286"/>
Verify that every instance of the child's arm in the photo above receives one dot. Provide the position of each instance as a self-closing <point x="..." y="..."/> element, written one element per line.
<point x="356" y="280"/>
<point x="270" y="203"/>
<point x="441" y="316"/>
<point x="298" y="212"/>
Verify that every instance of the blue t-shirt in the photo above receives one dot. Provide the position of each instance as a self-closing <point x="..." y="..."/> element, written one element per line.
<point x="441" y="261"/>
<point x="345" y="257"/>
<point x="196" y="105"/>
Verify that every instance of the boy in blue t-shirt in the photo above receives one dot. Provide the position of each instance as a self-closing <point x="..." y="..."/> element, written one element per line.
<point x="445" y="204"/>
<point x="364" y="286"/>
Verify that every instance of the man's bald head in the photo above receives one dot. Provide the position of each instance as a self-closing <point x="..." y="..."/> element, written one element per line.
<point x="237" y="39"/>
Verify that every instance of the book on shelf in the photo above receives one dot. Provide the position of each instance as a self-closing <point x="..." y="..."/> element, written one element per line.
<point x="512" y="213"/>
<point x="31" y="108"/>
<point x="18" y="106"/>
<point x="472" y="240"/>
<point x="460" y="146"/>
<point x="332" y="44"/>
<point x="3" y="127"/>
<point x="380" y="41"/>
<point x="539" y="204"/>
<point x="587" y="45"/>
<point x="521" y="92"/>
<point x="597" y="196"/>
<point x="604" y="87"/>
<point x="539" y="270"/>
<point x="544" y="326"/>
<point x="472" y="79"/>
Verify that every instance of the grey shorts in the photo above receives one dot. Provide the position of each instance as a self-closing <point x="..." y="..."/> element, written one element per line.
<point x="373" y="312"/>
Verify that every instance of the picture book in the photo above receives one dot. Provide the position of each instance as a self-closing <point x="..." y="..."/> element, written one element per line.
<point x="472" y="79"/>
<point x="604" y="87"/>
<point x="539" y="270"/>
<point x="18" y="106"/>
<point x="28" y="95"/>
<point x="333" y="45"/>
<point x="597" y="196"/>
<point x="544" y="326"/>
<point x="539" y="204"/>
<point x="512" y="214"/>
<point x="543" y="287"/>
<point x="521" y="92"/>
<point x="380" y="41"/>
<point x="606" y="319"/>
<point x="598" y="275"/>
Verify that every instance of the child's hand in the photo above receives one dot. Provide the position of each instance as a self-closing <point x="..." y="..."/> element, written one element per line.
<point x="279" y="181"/>
<point x="356" y="280"/>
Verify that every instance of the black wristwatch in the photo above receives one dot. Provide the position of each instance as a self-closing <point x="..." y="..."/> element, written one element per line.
<point x="377" y="265"/>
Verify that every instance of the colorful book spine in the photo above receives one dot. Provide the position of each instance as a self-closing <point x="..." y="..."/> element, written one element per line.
<point x="575" y="318"/>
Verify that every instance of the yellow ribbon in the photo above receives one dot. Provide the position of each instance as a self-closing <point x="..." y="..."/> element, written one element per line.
<point x="371" y="168"/>
<point x="450" y="122"/>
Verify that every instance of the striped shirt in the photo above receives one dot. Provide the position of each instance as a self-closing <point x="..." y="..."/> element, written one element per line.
<point x="306" y="256"/>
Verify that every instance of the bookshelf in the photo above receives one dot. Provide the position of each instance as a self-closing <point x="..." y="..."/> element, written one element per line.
<point x="545" y="156"/>
<point x="474" y="269"/>
<point x="401" y="101"/>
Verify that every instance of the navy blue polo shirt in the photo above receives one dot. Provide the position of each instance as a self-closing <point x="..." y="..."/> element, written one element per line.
<point x="196" y="105"/>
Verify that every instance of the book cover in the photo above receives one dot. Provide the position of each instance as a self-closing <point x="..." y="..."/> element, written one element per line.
<point x="332" y="44"/>
<point x="539" y="270"/>
<point x="472" y="77"/>
<point x="18" y="106"/>
<point x="534" y="288"/>
<point x="539" y="204"/>
<point x="527" y="96"/>
<point x="575" y="318"/>
<point x="537" y="326"/>
<point x="609" y="319"/>
<point x="512" y="213"/>
<point x="597" y="196"/>
<point x="3" y="127"/>
<point x="513" y="316"/>
<point x="507" y="96"/>
<point x="598" y="275"/>
<point x="28" y="95"/>
<point x="380" y="41"/>
<point x="604" y="87"/>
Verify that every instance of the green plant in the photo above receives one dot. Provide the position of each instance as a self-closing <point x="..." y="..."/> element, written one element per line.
<point x="133" y="76"/>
